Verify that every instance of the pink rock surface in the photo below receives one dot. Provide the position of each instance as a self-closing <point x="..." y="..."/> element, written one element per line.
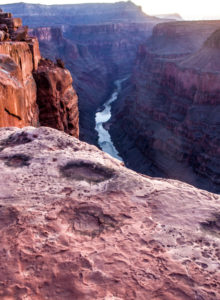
<point x="76" y="224"/>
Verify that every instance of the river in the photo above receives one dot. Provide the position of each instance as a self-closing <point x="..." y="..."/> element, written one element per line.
<point x="102" y="116"/>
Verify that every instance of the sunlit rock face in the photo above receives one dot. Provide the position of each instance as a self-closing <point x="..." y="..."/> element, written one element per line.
<point x="19" y="57"/>
<point x="50" y="100"/>
<point x="168" y="113"/>
<point x="76" y="224"/>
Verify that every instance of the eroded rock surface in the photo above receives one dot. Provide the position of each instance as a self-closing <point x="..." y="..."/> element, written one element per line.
<point x="76" y="224"/>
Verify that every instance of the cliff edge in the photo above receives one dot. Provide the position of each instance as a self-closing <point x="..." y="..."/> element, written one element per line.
<point x="76" y="224"/>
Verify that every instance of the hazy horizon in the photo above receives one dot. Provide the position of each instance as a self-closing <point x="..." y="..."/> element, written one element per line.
<point x="188" y="9"/>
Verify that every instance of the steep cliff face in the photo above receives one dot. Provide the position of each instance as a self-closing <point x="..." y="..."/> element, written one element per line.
<point x="177" y="38"/>
<point x="76" y="224"/>
<point x="168" y="116"/>
<point x="18" y="60"/>
<point x="56" y="98"/>
<point x="22" y="102"/>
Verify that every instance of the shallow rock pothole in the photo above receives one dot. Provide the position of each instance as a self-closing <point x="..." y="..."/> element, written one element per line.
<point x="17" y="160"/>
<point x="80" y="170"/>
<point x="213" y="225"/>
<point x="17" y="138"/>
<point x="89" y="220"/>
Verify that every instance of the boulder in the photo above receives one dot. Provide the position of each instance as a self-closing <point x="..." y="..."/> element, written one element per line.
<point x="20" y="34"/>
<point x="4" y="15"/>
<point x="4" y="27"/>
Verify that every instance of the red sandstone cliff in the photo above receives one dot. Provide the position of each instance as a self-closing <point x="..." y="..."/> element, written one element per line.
<point x="21" y="101"/>
<point x="18" y="60"/>
<point x="56" y="98"/>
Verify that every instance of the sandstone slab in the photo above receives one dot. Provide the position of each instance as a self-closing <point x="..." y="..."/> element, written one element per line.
<point x="76" y="224"/>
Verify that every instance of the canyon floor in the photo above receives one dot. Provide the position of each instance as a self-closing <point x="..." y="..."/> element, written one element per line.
<point x="76" y="224"/>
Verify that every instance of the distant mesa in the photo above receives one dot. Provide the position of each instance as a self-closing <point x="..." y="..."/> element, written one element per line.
<point x="174" y="16"/>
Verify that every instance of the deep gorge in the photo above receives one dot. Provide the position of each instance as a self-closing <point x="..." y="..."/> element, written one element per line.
<point x="159" y="118"/>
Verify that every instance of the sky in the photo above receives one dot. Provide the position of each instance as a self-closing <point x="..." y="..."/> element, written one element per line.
<point x="188" y="9"/>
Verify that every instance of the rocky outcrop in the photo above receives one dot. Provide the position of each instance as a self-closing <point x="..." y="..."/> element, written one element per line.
<point x="22" y="102"/>
<point x="76" y="224"/>
<point x="56" y="98"/>
<point x="167" y="119"/>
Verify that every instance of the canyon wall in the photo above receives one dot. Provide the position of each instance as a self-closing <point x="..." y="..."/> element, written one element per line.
<point x="180" y="38"/>
<point x="24" y="100"/>
<point x="91" y="76"/>
<point x="166" y="122"/>
<point x="96" y="55"/>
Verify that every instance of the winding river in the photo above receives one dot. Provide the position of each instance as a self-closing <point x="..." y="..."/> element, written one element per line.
<point x="104" y="139"/>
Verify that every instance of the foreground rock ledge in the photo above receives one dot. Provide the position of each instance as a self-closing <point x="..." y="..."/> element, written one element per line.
<point x="76" y="224"/>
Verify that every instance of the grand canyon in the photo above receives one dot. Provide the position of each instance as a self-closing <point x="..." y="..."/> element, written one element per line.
<point x="80" y="80"/>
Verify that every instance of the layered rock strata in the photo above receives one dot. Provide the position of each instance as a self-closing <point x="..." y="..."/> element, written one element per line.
<point x="168" y="116"/>
<point x="179" y="38"/>
<point x="72" y="14"/>
<point x="20" y="104"/>
<point x="76" y="224"/>
<point x="19" y="57"/>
